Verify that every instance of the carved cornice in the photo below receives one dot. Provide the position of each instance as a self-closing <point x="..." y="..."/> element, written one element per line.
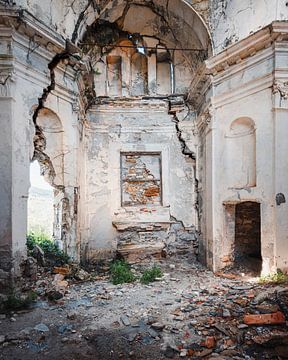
<point x="26" y="40"/>
<point x="26" y="24"/>
<point x="129" y="105"/>
<point x="280" y="92"/>
<point x="7" y="78"/>
<point x="280" y="87"/>
<point x="204" y="120"/>
<point x="236" y="53"/>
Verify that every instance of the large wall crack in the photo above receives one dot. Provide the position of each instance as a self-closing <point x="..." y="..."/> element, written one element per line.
<point x="181" y="239"/>
<point x="39" y="138"/>
<point x="81" y="18"/>
<point x="184" y="147"/>
<point x="173" y="106"/>
<point x="67" y="199"/>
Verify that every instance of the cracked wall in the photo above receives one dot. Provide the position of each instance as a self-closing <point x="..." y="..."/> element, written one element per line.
<point x="67" y="17"/>
<point x="139" y="109"/>
<point x="61" y="16"/>
<point x="132" y="203"/>
<point x="50" y="137"/>
<point x="228" y="21"/>
<point x="140" y="144"/>
<point x="231" y="21"/>
<point x="248" y="152"/>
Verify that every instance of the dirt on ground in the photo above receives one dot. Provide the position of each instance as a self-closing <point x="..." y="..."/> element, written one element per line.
<point x="188" y="313"/>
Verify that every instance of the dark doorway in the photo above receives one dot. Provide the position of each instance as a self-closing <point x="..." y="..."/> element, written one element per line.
<point x="248" y="237"/>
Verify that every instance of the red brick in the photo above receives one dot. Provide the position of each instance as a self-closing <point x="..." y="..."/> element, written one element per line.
<point x="265" y="319"/>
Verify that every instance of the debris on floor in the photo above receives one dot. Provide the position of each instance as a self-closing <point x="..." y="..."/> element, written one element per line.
<point x="187" y="313"/>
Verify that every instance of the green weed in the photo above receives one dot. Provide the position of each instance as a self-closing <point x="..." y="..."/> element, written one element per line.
<point x="51" y="251"/>
<point x="151" y="275"/>
<point x="17" y="302"/>
<point x="121" y="273"/>
<point x="277" y="277"/>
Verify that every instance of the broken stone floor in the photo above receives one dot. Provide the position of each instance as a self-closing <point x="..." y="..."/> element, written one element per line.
<point x="189" y="313"/>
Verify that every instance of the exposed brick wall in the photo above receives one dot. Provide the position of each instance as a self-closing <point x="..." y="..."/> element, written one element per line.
<point x="247" y="230"/>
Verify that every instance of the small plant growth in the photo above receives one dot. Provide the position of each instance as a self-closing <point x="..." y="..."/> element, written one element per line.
<point x="277" y="277"/>
<point x="17" y="302"/>
<point x="121" y="272"/>
<point x="151" y="275"/>
<point x="52" y="252"/>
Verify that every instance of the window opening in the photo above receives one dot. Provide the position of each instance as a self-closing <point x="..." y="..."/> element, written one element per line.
<point x="141" y="179"/>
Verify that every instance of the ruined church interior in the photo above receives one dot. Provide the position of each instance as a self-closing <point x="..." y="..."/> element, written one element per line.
<point x="143" y="178"/>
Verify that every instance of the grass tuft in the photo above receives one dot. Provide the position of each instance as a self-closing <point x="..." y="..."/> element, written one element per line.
<point x="51" y="250"/>
<point x="121" y="273"/>
<point x="17" y="302"/>
<point x="277" y="277"/>
<point x="151" y="275"/>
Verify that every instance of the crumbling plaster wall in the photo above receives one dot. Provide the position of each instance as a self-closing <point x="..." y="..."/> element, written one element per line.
<point x="231" y="21"/>
<point x="65" y="16"/>
<point x="60" y="16"/>
<point x="117" y="127"/>
<point x="64" y="158"/>
<point x="36" y="53"/>
<point x="262" y="75"/>
<point x="24" y="74"/>
<point x="228" y="192"/>
<point x="228" y="21"/>
<point x="54" y="143"/>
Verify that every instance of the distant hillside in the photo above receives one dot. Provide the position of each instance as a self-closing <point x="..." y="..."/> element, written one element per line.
<point x="40" y="210"/>
<point x="34" y="191"/>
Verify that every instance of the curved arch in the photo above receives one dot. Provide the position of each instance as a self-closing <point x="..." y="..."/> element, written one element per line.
<point x="210" y="47"/>
<point x="48" y="147"/>
<point x="241" y="150"/>
<point x="153" y="24"/>
<point x="49" y="153"/>
<point x="49" y="120"/>
<point x="242" y="126"/>
<point x="179" y="8"/>
<point x="200" y="20"/>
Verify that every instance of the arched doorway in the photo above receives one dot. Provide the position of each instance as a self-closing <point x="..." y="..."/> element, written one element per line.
<point x="46" y="195"/>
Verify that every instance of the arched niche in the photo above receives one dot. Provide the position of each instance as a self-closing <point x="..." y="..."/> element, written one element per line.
<point x="118" y="62"/>
<point x="139" y="74"/>
<point x="114" y="75"/>
<point x="163" y="71"/>
<point x="50" y="141"/>
<point x="242" y="127"/>
<point x="100" y="77"/>
<point x="241" y="153"/>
